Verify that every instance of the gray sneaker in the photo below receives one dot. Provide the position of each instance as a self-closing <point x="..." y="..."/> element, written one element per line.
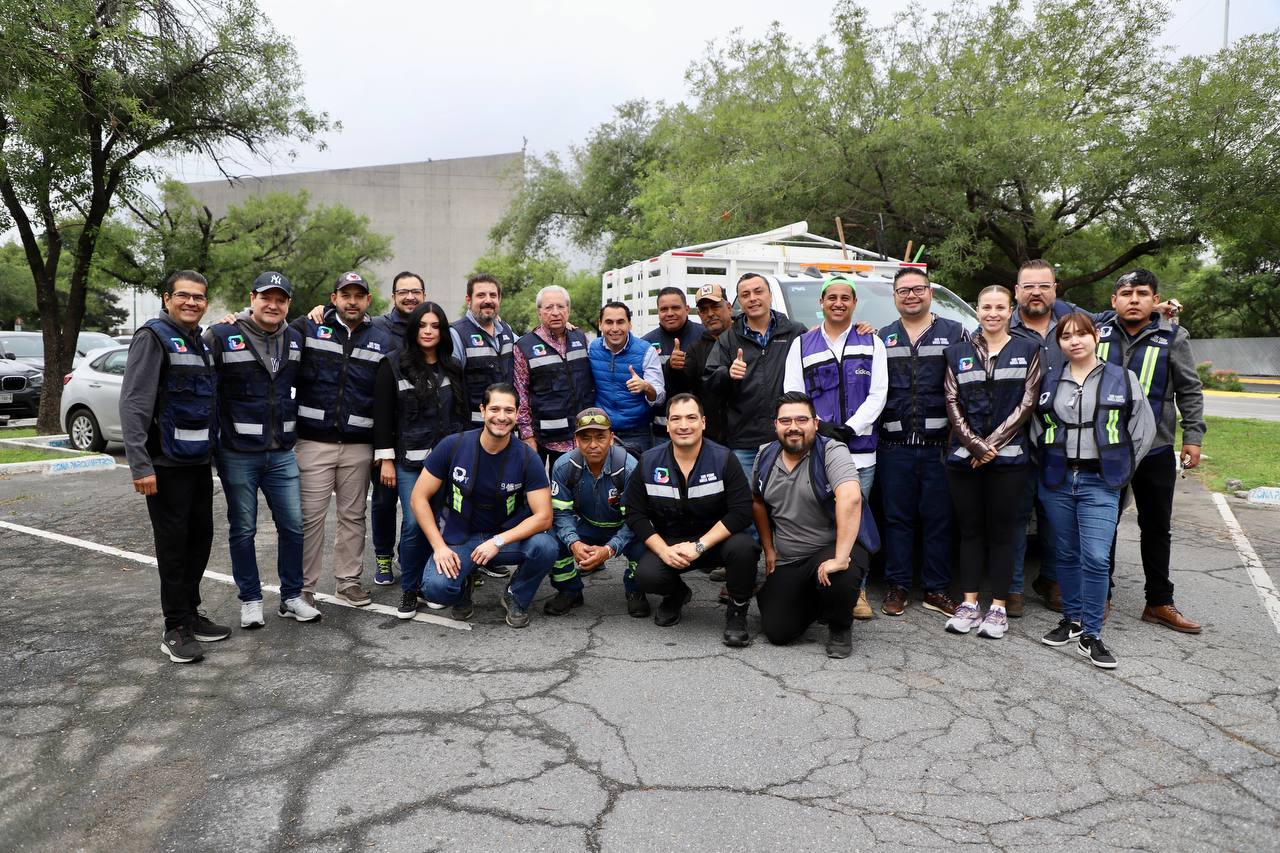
<point x="297" y="608"/>
<point x="994" y="624"/>
<point x="965" y="619"/>
<point x="353" y="594"/>
<point x="251" y="615"/>
<point x="517" y="616"/>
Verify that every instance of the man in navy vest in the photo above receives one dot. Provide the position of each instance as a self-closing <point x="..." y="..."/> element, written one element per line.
<point x="1159" y="353"/>
<point x="673" y="339"/>
<point x="807" y="503"/>
<point x="716" y="315"/>
<point x="628" y="377"/>
<point x="482" y="342"/>
<point x="552" y="377"/>
<point x="257" y="358"/>
<point x="168" y="415"/>
<point x="336" y="382"/>
<point x="913" y="433"/>
<point x="497" y="508"/>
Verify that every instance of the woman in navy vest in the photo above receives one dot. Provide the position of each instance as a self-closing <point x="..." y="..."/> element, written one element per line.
<point x="1092" y="420"/>
<point x="419" y="398"/>
<point x="991" y="385"/>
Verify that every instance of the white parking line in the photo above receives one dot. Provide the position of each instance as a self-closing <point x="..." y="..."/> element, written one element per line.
<point x="1257" y="572"/>
<point x="220" y="577"/>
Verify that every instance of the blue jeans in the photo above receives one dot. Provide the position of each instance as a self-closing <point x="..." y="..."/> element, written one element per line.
<point x="382" y="517"/>
<point x="1082" y="514"/>
<point x="639" y="440"/>
<point x="414" y="548"/>
<point x="534" y="556"/>
<point x="275" y="472"/>
<point x="1048" y="553"/>
<point x="747" y="459"/>
<point x="564" y="574"/>
<point x="914" y="492"/>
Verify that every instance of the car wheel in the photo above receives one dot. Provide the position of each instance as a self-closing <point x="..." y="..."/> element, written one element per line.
<point x="84" y="432"/>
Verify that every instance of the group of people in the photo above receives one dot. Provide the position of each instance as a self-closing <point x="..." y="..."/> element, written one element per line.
<point x="701" y="446"/>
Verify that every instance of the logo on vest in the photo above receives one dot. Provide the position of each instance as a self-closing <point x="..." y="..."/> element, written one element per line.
<point x="539" y="349"/>
<point x="477" y="340"/>
<point x="1018" y="361"/>
<point x="966" y="363"/>
<point x="510" y="487"/>
<point x="293" y="345"/>
<point x="575" y="344"/>
<point x="940" y="342"/>
<point x="1115" y="398"/>
<point x="661" y="476"/>
<point x="236" y="342"/>
<point x="459" y="474"/>
<point x="1044" y="398"/>
<point x="375" y="346"/>
<point x="324" y="333"/>
<point x="613" y="497"/>
<point x="555" y="488"/>
<point x="1104" y="332"/>
<point x="892" y="340"/>
<point x="1159" y="340"/>
<point x="179" y="345"/>
<point x="707" y="478"/>
<point x="861" y="371"/>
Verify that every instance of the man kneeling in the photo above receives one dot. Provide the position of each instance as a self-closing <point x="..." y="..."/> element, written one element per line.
<point x="808" y="508"/>
<point x="497" y="507"/>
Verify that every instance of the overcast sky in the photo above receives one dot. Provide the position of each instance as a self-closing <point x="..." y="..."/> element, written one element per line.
<point x="411" y="80"/>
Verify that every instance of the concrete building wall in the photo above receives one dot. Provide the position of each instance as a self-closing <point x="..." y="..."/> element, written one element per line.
<point x="438" y="213"/>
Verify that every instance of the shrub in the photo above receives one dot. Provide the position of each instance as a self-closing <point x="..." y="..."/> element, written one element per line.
<point x="1218" y="380"/>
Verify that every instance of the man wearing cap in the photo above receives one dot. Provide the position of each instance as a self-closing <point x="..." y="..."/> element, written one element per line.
<point x="257" y="360"/>
<point x="588" y="497"/>
<point x="628" y="377"/>
<point x="336" y="379"/>
<point x="716" y="315"/>
<point x="672" y="340"/>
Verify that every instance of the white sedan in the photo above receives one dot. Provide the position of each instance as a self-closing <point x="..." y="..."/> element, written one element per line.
<point x="91" y="399"/>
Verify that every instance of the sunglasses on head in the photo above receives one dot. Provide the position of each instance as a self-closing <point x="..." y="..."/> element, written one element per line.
<point x="593" y="420"/>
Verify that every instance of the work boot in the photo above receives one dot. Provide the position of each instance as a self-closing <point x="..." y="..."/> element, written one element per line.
<point x="735" y="624"/>
<point x="1014" y="604"/>
<point x="637" y="604"/>
<point x="1169" y="616"/>
<point x="862" y="610"/>
<point x="839" y="643"/>
<point x="562" y="602"/>
<point x="939" y="602"/>
<point x="462" y="608"/>
<point x="668" y="612"/>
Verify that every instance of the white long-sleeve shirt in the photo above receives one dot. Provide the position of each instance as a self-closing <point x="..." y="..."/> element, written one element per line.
<point x="866" y="415"/>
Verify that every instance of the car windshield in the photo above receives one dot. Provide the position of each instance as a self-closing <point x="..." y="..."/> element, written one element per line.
<point x="23" y="346"/>
<point x="93" y="340"/>
<point x="875" y="303"/>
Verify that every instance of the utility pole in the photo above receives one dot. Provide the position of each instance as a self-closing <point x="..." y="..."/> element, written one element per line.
<point x="1226" y="22"/>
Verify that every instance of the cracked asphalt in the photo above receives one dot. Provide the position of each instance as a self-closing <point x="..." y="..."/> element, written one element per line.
<point x="599" y="732"/>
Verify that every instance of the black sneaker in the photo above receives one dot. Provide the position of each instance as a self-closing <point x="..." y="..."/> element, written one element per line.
<point x="462" y="608"/>
<point x="408" y="605"/>
<point x="181" y="646"/>
<point x="839" y="643"/>
<point x="1066" y="631"/>
<point x="735" y="625"/>
<point x="1092" y="648"/>
<point x="517" y="616"/>
<point x="562" y="603"/>
<point x="637" y="604"/>
<point x="669" y="608"/>
<point x="206" y="630"/>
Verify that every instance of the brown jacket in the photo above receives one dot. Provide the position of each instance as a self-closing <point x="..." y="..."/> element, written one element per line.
<point x="979" y="446"/>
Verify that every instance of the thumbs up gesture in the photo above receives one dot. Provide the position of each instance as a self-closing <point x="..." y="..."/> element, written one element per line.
<point x="738" y="369"/>
<point x="635" y="384"/>
<point x="677" y="357"/>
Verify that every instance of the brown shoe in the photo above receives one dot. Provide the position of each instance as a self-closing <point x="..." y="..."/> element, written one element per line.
<point x="1050" y="592"/>
<point x="309" y="598"/>
<point x="1169" y="616"/>
<point x="862" y="610"/>
<point x="1014" y="605"/>
<point x="895" y="601"/>
<point x="939" y="602"/>
<point x="353" y="594"/>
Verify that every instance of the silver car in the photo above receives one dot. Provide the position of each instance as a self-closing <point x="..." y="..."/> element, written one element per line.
<point x="91" y="399"/>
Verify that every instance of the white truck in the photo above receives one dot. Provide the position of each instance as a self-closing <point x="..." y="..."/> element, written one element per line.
<point x="792" y="260"/>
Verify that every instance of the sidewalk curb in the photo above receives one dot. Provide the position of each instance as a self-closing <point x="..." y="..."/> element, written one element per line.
<point x="76" y="463"/>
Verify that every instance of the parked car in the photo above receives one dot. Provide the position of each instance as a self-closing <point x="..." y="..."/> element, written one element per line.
<point x="91" y="400"/>
<point x="29" y="346"/>
<point x="20" y="386"/>
<point x="123" y="339"/>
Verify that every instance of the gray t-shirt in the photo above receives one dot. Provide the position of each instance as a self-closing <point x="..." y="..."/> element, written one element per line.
<point x="801" y="526"/>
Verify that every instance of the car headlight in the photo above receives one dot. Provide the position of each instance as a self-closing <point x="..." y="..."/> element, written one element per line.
<point x="36" y="380"/>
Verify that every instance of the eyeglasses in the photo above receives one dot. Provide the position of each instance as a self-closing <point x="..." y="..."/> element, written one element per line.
<point x="408" y="292"/>
<point x="918" y="290"/>
<point x="594" y="420"/>
<point x="800" y="421"/>
<point x="183" y="296"/>
<point x="1036" y="286"/>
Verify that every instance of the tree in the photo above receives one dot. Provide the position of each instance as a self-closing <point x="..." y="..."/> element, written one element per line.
<point x="91" y="92"/>
<point x="102" y="311"/>
<point x="279" y="231"/>
<point x="523" y="276"/>
<point x="991" y="134"/>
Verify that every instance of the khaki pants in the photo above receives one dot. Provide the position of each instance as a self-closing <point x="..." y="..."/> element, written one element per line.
<point x="341" y="470"/>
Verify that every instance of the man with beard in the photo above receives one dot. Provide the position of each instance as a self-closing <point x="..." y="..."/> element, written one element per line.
<point x="482" y="342"/>
<point x="807" y="504"/>
<point x="497" y="508"/>
<point x="673" y="339"/>
<point x="716" y="314"/>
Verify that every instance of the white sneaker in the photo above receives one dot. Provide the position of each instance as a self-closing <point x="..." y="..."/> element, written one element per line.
<point x="431" y="605"/>
<point x="297" y="608"/>
<point x="994" y="624"/>
<point x="251" y="615"/>
<point x="966" y="618"/>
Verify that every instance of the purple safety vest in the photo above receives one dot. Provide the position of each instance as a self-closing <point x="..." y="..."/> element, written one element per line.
<point x="838" y="387"/>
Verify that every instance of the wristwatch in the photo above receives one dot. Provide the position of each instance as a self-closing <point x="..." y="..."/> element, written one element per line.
<point x="498" y="540"/>
<point x="699" y="547"/>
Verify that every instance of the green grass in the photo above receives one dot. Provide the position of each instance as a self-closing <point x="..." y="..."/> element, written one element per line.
<point x="10" y="453"/>
<point x="15" y="432"/>
<point x="1239" y="449"/>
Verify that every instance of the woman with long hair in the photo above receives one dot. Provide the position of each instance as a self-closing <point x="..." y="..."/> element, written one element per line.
<point x="991" y="386"/>
<point x="419" y="399"/>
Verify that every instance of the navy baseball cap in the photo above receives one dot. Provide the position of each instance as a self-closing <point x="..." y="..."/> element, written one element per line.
<point x="349" y="278"/>
<point x="273" y="281"/>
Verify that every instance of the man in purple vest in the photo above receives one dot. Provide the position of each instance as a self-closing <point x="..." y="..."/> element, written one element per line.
<point x="844" y="372"/>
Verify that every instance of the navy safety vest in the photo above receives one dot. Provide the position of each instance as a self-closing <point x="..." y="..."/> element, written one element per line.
<point x="615" y="466"/>
<point x="337" y="376"/>
<point x="610" y="373"/>
<point x="420" y="423"/>
<point x="488" y="359"/>
<point x="915" y="409"/>
<point x="1148" y="357"/>
<point x="704" y="497"/>
<point x="559" y="388"/>
<point x="185" y="422"/>
<point x="254" y="407"/>
<point x="837" y="388"/>
<point x="987" y="399"/>
<point x="462" y="482"/>
<point x="868" y="533"/>
<point x="663" y="341"/>
<point x="1110" y="429"/>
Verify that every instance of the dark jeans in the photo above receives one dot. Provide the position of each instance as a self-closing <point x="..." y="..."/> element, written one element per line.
<point x="414" y="548"/>
<point x="639" y="440"/>
<point x="275" y="472"/>
<point x="1027" y="503"/>
<point x="986" y="501"/>
<point x="913" y="489"/>
<point x="792" y="598"/>
<point x="534" y="557"/>
<point x="382" y="517"/>
<point x="739" y="555"/>
<point x="1153" y="484"/>
<point x="181" y="513"/>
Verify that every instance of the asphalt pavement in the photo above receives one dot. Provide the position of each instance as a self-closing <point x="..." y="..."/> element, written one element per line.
<point x="599" y="732"/>
<point x="1261" y="405"/>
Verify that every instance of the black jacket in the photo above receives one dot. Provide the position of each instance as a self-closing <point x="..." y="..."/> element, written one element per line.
<point x="749" y="402"/>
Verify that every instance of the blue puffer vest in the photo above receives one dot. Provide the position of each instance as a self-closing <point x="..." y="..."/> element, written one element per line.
<point x="610" y="372"/>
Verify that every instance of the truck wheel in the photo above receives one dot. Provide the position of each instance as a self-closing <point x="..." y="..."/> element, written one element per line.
<point x="84" y="432"/>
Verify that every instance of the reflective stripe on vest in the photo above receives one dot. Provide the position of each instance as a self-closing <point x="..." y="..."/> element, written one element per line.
<point x="1110" y="428"/>
<point x="915" y="407"/>
<point x="987" y="400"/>
<point x="256" y="408"/>
<point x="185" y="418"/>
<point x="559" y="388"/>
